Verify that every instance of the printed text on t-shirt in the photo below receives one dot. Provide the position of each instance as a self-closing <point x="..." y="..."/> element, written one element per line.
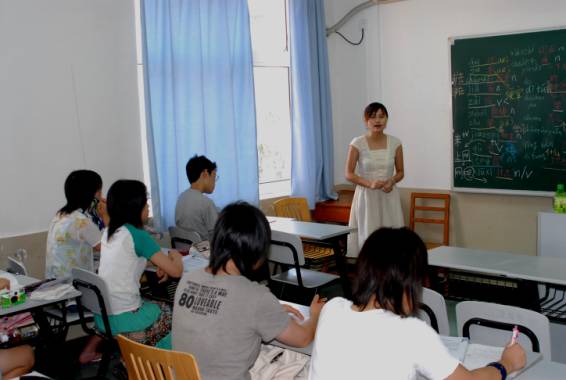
<point x="202" y="299"/>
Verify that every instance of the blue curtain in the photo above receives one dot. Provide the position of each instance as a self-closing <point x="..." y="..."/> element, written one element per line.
<point x="200" y="92"/>
<point x="312" y="168"/>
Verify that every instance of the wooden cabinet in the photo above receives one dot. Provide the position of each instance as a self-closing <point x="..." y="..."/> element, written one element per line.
<point x="337" y="211"/>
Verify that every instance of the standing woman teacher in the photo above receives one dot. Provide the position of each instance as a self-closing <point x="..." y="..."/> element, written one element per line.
<point x="379" y="161"/>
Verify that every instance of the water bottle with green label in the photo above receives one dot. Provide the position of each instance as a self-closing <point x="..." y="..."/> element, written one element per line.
<point x="560" y="199"/>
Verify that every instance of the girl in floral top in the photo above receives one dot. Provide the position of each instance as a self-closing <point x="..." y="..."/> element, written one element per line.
<point x="73" y="235"/>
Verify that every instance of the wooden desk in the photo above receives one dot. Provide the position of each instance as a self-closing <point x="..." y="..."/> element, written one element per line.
<point x="337" y="211"/>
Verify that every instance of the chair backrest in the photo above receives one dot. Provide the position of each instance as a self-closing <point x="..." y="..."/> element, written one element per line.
<point x="291" y="207"/>
<point x="146" y="362"/>
<point x="95" y="293"/>
<point x="422" y="204"/>
<point x="433" y="311"/>
<point x="492" y="324"/>
<point x="183" y="239"/>
<point x="16" y="267"/>
<point x="286" y="249"/>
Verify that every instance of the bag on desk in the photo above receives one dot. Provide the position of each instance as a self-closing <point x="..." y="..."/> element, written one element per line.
<point x="276" y="363"/>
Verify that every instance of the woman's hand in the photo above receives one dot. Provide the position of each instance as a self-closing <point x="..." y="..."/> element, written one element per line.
<point x="513" y="357"/>
<point x="102" y="211"/>
<point x="316" y="305"/>
<point x="291" y="310"/>
<point x="388" y="185"/>
<point x="162" y="276"/>
<point x="376" y="185"/>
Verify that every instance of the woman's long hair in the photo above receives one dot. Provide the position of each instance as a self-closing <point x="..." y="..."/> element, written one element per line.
<point x="125" y="203"/>
<point x="392" y="263"/>
<point x="80" y="189"/>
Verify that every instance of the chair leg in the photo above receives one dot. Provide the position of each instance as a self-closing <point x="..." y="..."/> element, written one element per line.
<point x="105" y="361"/>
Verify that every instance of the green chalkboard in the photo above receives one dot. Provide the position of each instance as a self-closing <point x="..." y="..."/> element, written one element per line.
<point x="509" y="111"/>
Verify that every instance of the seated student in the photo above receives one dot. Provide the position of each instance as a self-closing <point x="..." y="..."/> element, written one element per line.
<point x="18" y="360"/>
<point x="195" y="211"/>
<point x="126" y="248"/>
<point x="73" y="235"/>
<point x="376" y="335"/>
<point x="220" y="315"/>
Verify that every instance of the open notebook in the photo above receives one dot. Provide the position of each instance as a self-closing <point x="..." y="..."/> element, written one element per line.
<point x="478" y="355"/>
<point x="474" y="356"/>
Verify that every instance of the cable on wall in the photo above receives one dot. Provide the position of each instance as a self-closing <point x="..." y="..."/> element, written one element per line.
<point x="334" y="28"/>
<point x="351" y="42"/>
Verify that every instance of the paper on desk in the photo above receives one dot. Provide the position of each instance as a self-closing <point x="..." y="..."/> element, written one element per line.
<point x="457" y="346"/>
<point x="305" y="310"/>
<point x="193" y="262"/>
<point x="478" y="355"/>
<point x="52" y="293"/>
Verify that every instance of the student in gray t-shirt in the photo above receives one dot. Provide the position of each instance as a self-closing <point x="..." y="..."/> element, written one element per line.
<point x="220" y="315"/>
<point x="194" y="210"/>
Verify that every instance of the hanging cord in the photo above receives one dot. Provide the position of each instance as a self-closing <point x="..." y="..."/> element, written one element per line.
<point x="350" y="42"/>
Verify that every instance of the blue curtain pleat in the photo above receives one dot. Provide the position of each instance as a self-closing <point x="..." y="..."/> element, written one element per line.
<point x="312" y="164"/>
<point x="199" y="72"/>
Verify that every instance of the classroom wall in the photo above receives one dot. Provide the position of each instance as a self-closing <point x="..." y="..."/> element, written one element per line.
<point x="71" y="63"/>
<point x="410" y="74"/>
<point x="68" y="100"/>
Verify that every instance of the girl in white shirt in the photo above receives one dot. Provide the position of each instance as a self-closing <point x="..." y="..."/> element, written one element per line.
<point x="73" y="235"/>
<point x="126" y="248"/>
<point x="377" y="336"/>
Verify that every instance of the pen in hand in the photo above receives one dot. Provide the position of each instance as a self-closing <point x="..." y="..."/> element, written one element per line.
<point x="514" y="336"/>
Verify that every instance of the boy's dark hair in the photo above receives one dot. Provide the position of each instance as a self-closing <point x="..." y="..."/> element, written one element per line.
<point x="392" y="262"/>
<point x="242" y="234"/>
<point x="80" y="188"/>
<point x="196" y="165"/>
<point x="372" y="109"/>
<point x="125" y="203"/>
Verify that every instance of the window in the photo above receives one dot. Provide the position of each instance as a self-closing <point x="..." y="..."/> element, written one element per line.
<point x="141" y="101"/>
<point x="271" y="59"/>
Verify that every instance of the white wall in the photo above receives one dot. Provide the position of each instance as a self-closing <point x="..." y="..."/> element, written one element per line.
<point x="415" y="69"/>
<point x="404" y="62"/>
<point x="354" y="74"/>
<point x="68" y="100"/>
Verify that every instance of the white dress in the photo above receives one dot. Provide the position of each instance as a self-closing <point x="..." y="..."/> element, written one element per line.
<point x="372" y="209"/>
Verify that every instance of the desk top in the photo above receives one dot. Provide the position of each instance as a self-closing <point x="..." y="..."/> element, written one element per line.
<point x="548" y="270"/>
<point x="310" y="230"/>
<point x="305" y="311"/>
<point x="30" y="304"/>
<point x="544" y="370"/>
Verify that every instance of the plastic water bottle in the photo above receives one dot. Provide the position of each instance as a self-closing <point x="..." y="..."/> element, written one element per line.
<point x="560" y="199"/>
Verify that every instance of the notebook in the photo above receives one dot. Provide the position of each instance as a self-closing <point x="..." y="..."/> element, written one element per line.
<point x="478" y="355"/>
<point x="457" y="346"/>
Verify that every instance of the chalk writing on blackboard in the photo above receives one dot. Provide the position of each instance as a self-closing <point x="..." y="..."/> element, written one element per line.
<point x="509" y="118"/>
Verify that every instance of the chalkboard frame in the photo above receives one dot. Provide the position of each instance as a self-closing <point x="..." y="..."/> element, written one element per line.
<point x="451" y="41"/>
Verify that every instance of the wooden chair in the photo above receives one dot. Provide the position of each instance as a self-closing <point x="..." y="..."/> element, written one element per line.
<point x="293" y="207"/>
<point x="420" y="202"/>
<point x="316" y="255"/>
<point x="146" y="362"/>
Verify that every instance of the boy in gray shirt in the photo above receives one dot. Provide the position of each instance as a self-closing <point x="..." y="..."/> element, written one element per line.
<point x="194" y="210"/>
